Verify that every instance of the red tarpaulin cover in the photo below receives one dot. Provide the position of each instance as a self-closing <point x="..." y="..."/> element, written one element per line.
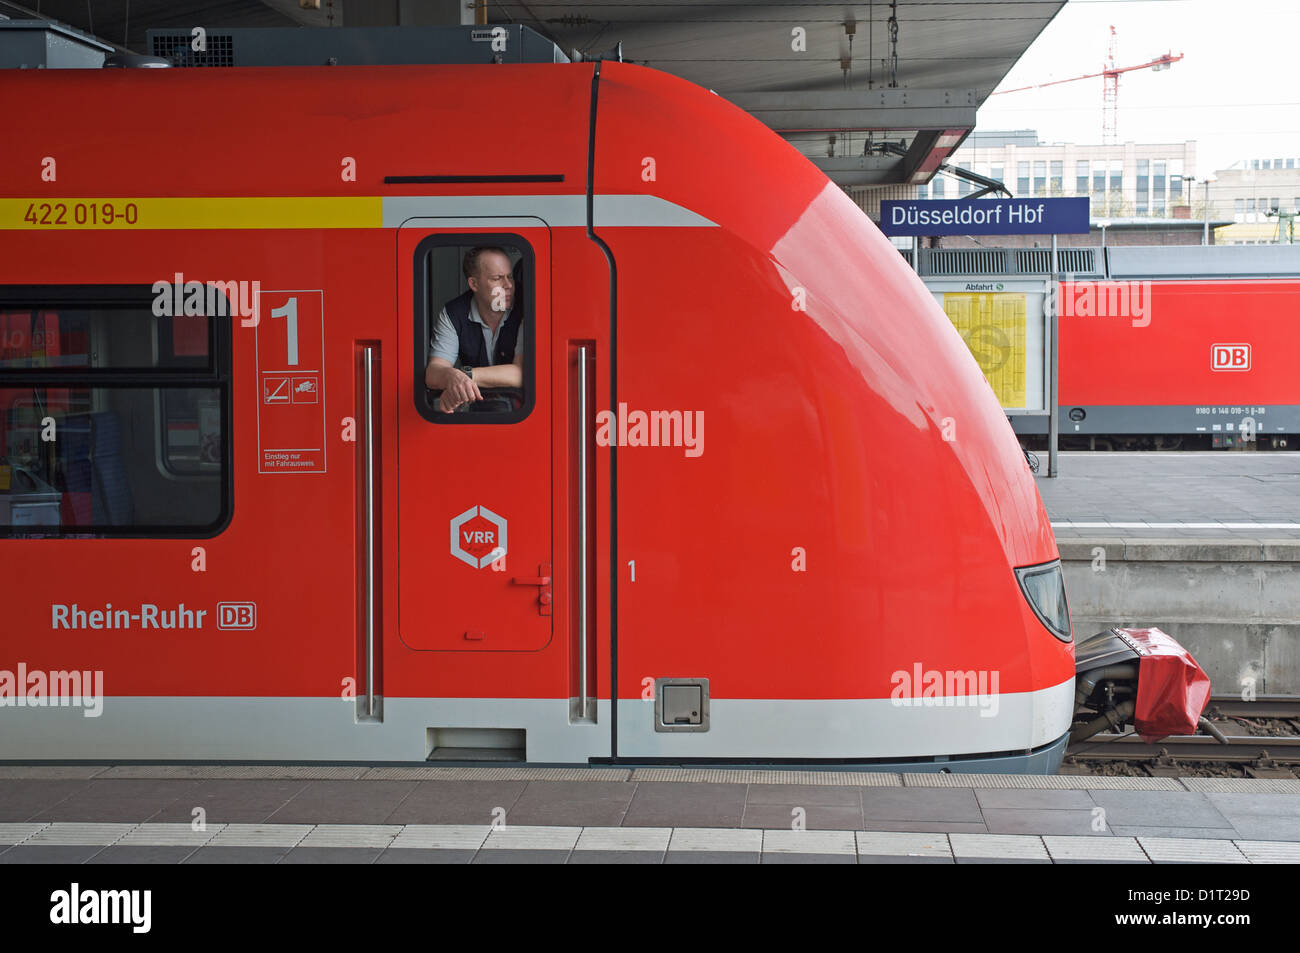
<point x="1172" y="689"/>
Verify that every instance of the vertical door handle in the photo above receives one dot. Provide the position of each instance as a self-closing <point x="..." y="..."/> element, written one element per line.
<point x="368" y="409"/>
<point x="583" y="412"/>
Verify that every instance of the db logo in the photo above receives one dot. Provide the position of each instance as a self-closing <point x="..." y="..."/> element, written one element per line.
<point x="236" y="615"/>
<point x="1230" y="357"/>
<point x="478" y="536"/>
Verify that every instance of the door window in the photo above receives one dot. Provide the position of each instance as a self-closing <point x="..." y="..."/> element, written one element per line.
<point x="474" y="329"/>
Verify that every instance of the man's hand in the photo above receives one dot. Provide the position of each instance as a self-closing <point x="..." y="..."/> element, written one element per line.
<point x="458" y="389"/>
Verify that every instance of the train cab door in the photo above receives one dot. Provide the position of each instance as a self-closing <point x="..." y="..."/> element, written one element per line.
<point x="475" y="547"/>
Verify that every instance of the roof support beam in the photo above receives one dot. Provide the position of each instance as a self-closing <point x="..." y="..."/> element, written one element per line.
<point x="928" y="150"/>
<point x="878" y="109"/>
<point x="860" y="170"/>
<point x="921" y="149"/>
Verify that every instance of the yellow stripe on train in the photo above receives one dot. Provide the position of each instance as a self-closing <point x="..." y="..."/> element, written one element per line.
<point x="52" y="214"/>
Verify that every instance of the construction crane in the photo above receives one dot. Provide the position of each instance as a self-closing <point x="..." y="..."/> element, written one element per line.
<point x="1110" y="84"/>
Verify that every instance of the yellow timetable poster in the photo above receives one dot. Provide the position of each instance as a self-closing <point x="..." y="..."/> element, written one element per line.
<point x="993" y="327"/>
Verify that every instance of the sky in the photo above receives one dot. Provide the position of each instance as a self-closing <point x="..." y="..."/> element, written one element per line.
<point x="1236" y="92"/>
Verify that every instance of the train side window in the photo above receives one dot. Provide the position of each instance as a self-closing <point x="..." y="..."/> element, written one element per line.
<point x="101" y="336"/>
<point x="103" y="405"/>
<point x="474" y="322"/>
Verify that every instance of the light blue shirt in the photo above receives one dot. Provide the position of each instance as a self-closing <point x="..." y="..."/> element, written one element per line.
<point x="446" y="344"/>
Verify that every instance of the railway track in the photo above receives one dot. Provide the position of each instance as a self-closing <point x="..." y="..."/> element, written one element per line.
<point x="1263" y="706"/>
<point x="1260" y="752"/>
<point x="1240" y="749"/>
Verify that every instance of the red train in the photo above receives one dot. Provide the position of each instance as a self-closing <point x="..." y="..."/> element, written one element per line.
<point x="1206" y="365"/>
<point x="235" y="514"/>
<point x="1166" y="347"/>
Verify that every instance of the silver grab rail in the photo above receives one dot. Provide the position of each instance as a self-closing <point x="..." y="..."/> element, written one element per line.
<point x="367" y="362"/>
<point x="582" y="531"/>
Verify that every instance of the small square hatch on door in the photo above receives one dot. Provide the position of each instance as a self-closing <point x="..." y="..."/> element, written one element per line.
<point x="681" y="704"/>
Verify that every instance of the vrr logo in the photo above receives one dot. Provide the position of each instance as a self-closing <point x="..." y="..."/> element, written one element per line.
<point x="478" y="537"/>
<point x="1230" y="357"/>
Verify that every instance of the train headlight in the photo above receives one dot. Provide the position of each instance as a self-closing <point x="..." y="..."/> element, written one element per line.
<point x="1044" y="588"/>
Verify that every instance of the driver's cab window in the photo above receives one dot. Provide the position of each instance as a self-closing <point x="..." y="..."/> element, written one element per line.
<point x="475" y="334"/>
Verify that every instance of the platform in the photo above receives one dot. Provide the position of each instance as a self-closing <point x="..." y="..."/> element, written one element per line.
<point x="1205" y="546"/>
<point x="1230" y="494"/>
<point x="304" y="814"/>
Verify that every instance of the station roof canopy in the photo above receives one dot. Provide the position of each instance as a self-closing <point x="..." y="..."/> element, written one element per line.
<point x="875" y="93"/>
<point x="827" y="97"/>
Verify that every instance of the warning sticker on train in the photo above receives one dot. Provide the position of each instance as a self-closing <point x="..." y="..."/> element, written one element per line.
<point x="290" y="411"/>
<point x="478" y="536"/>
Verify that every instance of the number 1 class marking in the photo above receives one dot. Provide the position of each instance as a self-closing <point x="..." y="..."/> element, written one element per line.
<point x="632" y="565"/>
<point x="290" y="312"/>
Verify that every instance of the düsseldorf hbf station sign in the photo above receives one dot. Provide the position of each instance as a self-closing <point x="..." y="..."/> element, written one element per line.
<point x="984" y="216"/>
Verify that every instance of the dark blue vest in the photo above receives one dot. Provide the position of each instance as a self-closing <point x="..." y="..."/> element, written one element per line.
<point x="473" y="351"/>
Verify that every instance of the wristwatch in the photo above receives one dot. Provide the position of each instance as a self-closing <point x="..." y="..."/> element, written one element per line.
<point x="468" y="372"/>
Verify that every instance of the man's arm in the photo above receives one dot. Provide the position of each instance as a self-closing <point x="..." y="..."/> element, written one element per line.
<point x="501" y="375"/>
<point x="504" y="375"/>
<point x="441" y="374"/>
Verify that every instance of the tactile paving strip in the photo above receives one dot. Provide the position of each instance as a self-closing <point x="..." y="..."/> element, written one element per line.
<point x="860" y="779"/>
<point x="1058" y="782"/>
<point x="998" y="846"/>
<point x="1191" y="850"/>
<point x="352" y="835"/>
<point x="523" y="837"/>
<point x="624" y="838"/>
<point x="1110" y="849"/>
<point x="170" y="835"/>
<point x="17" y="833"/>
<point x="51" y="772"/>
<point x="442" y="836"/>
<point x="839" y="843"/>
<point x="722" y="840"/>
<point x="1242" y="785"/>
<point x="262" y="835"/>
<point x="903" y="844"/>
<point x="421" y="773"/>
<point x="1269" y="852"/>
<point x="236" y="772"/>
<point x="73" y="834"/>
